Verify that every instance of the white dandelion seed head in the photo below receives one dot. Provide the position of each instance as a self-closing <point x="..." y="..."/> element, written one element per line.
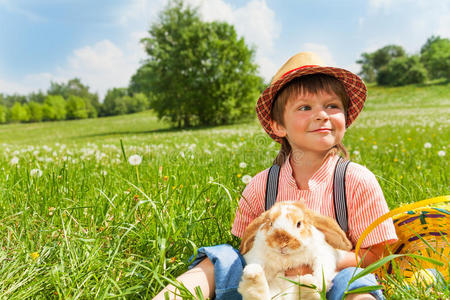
<point x="243" y="165"/>
<point x="104" y="173"/>
<point x="14" y="160"/>
<point x="375" y="147"/>
<point x="135" y="160"/>
<point x="441" y="153"/>
<point x="182" y="154"/>
<point x="427" y="145"/>
<point x="36" y="173"/>
<point x="356" y="152"/>
<point x="246" y="179"/>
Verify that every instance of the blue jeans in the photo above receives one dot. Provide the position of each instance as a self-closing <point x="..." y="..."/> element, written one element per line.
<point x="229" y="264"/>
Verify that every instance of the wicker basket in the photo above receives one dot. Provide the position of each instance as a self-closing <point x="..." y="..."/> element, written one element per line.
<point x="420" y="229"/>
<point x="419" y="232"/>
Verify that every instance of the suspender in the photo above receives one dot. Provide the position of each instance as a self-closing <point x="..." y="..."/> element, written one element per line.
<point x="272" y="186"/>
<point x="339" y="197"/>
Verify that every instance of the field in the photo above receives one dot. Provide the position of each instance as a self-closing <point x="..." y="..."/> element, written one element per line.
<point x="77" y="220"/>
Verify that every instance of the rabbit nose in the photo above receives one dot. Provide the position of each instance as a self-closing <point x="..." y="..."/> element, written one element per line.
<point x="282" y="239"/>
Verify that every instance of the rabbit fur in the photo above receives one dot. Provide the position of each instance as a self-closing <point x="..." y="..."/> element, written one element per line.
<point x="287" y="236"/>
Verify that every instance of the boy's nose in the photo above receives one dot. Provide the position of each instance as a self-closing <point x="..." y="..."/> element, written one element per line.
<point x="322" y="115"/>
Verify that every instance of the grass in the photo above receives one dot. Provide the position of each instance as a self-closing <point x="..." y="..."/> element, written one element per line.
<point x="94" y="226"/>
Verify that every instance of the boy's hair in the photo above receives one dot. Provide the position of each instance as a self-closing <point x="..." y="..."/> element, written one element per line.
<point x="308" y="84"/>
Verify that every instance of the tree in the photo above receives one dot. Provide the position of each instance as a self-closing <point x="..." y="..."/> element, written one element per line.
<point x="38" y="97"/>
<point x="402" y="71"/>
<point x="19" y="113"/>
<point x="371" y="63"/>
<point x="74" y="87"/>
<point x="10" y="100"/>
<point x="137" y="103"/>
<point x="435" y="55"/>
<point x="198" y="73"/>
<point x="36" y="111"/>
<point x="76" y="108"/>
<point x="111" y="105"/>
<point x="54" y="108"/>
<point x="3" y="114"/>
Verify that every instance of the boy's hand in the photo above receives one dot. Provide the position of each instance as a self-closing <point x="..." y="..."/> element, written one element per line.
<point x="300" y="270"/>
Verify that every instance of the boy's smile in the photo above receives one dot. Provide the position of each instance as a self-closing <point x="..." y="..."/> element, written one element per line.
<point x="313" y="122"/>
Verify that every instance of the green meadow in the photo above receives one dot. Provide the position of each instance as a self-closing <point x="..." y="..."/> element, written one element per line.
<point x="78" y="221"/>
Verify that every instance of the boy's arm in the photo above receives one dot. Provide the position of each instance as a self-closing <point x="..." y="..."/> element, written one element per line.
<point x="369" y="256"/>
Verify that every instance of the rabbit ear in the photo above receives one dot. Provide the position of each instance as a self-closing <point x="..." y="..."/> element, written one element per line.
<point x="334" y="235"/>
<point x="250" y="232"/>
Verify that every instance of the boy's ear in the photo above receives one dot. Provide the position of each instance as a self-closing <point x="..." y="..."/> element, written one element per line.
<point x="278" y="129"/>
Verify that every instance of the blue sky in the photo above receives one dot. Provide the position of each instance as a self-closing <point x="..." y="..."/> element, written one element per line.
<point x="98" y="41"/>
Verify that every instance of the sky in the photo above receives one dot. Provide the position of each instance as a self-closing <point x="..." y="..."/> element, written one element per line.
<point x="98" y="41"/>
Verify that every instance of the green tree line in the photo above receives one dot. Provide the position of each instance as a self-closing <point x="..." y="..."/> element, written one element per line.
<point x="69" y="101"/>
<point x="392" y="66"/>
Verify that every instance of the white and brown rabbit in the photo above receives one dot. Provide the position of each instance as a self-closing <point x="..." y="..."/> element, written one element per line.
<point x="286" y="236"/>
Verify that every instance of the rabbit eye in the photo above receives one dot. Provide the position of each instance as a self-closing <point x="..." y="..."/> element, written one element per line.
<point x="299" y="224"/>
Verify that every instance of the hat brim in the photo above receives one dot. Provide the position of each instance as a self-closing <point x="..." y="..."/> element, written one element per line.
<point x="353" y="85"/>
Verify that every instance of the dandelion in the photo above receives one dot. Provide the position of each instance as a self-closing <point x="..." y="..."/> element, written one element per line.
<point x="135" y="160"/>
<point x="375" y="147"/>
<point x="396" y="159"/>
<point x="182" y="154"/>
<point x="165" y="178"/>
<point x="441" y="153"/>
<point x="356" y="152"/>
<point x="427" y="145"/>
<point x="51" y="210"/>
<point x="36" y="173"/>
<point x="34" y="255"/>
<point x="242" y="165"/>
<point x="14" y="160"/>
<point x="104" y="173"/>
<point x="246" y="179"/>
<point x="239" y="175"/>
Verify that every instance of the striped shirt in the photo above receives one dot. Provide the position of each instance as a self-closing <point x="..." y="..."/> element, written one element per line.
<point x="365" y="200"/>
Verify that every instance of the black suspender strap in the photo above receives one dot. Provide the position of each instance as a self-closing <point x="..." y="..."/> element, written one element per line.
<point x="272" y="186"/>
<point x="339" y="196"/>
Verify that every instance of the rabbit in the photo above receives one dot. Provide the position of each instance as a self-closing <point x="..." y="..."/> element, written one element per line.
<point x="286" y="236"/>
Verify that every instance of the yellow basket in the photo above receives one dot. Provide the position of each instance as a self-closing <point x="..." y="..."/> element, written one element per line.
<point x="420" y="229"/>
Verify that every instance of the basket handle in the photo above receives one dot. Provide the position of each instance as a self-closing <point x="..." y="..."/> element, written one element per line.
<point x="394" y="212"/>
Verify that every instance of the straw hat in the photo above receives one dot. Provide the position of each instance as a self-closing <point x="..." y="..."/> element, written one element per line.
<point x="306" y="63"/>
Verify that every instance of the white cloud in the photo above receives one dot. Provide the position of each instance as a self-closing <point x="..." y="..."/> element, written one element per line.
<point x="100" y="66"/>
<point x="255" y="21"/>
<point x="321" y="50"/>
<point x="418" y="20"/>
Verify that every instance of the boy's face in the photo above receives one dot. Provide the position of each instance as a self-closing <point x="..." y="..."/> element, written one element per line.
<point x="312" y="122"/>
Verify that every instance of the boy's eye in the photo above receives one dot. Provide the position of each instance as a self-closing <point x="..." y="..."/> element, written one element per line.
<point x="304" y="107"/>
<point x="333" y="106"/>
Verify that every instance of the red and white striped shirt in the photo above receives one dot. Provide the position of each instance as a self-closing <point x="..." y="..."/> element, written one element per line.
<point x="365" y="200"/>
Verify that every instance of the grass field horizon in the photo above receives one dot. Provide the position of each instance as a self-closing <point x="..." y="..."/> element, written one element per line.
<point x="78" y="221"/>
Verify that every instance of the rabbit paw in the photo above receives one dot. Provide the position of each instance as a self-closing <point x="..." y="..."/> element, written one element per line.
<point x="253" y="284"/>
<point x="310" y="293"/>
